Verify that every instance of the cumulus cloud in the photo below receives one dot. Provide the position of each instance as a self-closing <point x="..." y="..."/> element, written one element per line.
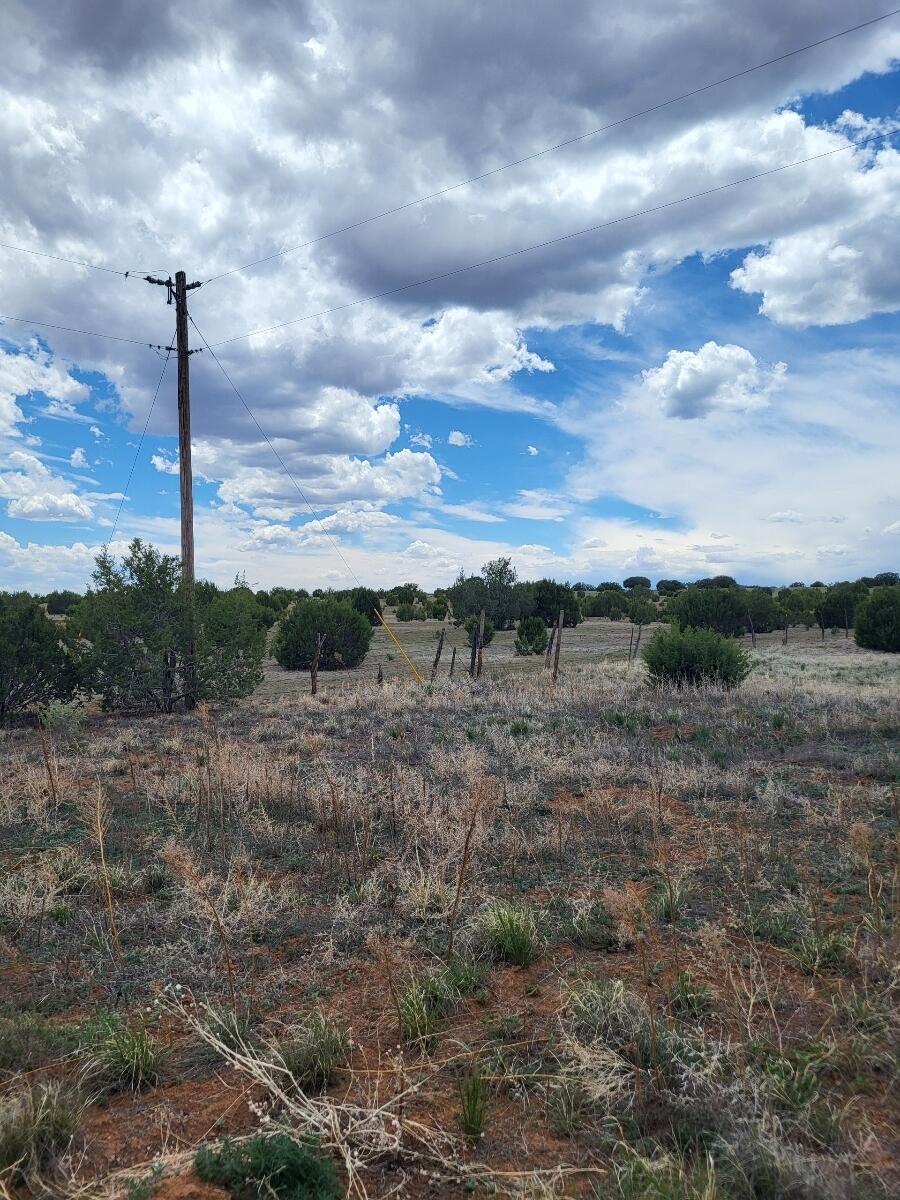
<point x="893" y="528"/>
<point x="78" y="458"/>
<point x="47" y="506"/>
<point x="457" y="438"/>
<point x="533" y="451"/>
<point x="692" y="384"/>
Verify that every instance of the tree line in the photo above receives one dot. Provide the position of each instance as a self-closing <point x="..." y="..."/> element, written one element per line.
<point x="141" y="640"/>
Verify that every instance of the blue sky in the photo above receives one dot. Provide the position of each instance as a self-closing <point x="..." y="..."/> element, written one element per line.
<point x="710" y="388"/>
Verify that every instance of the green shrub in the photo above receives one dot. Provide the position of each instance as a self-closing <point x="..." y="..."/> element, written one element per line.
<point x="722" y="609"/>
<point x="471" y="627"/>
<point x="366" y="601"/>
<point x="690" y="657"/>
<point x="279" y="1166"/>
<point x="410" y="612"/>
<point x="877" y="620"/>
<point x="531" y="636"/>
<point x="347" y="635"/>
<point x="40" y="660"/>
<point x="59" y="603"/>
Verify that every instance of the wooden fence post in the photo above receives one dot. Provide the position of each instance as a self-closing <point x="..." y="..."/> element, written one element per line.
<point x="380" y="676"/>
<point x="480" y="643"/>
<point x="452" y="661"/>
<point x="549" y="653"/>
<point x="556" y="649"/>
<point x="437" y="657"/>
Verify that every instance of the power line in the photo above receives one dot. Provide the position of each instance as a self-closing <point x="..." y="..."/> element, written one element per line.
<point x="112" y="337"/>
<point x="76" y="262"/>
<point x="565" y="237"/>
<point x="301" y="493"/>
<point x="698" y="91"/>
<point x="139" y="446"/>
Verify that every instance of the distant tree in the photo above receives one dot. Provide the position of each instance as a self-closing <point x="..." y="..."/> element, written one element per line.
<point x="641" y="611"/>
<point x="762" y="611"/>
<point x="531" y="636"/>
<point x="346" y="632"/>
<point x="499" y="577"/>
<point x="366" y="601"/>
<point x="550" y="597"/>
<point x="817" y="584"/>
<point x="886" y="579"/>
<point x="59" y="603"/>
<point x="609" y="586"/>
<point x="668" y="587"/>
<point x="137" y="617"/>
<point x="411" y="612"/>
<point x="406" y="593"/>
<point x="40" y="660"/>
<point x="838" y="609"/>
<point x="636" y="581"/>
<point x="468" y="596"/>
<point x="716" y="581"/>
<point x="606" y="604"/>
<point x="438" y="608"/>
<point x="721" y="609"/>
<point x="878" y="619"/>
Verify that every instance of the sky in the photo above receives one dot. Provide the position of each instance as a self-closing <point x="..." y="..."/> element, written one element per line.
<point x="710" y="387"/>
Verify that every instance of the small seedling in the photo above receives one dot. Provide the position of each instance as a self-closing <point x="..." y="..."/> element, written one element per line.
<point x="473" y="1099"/>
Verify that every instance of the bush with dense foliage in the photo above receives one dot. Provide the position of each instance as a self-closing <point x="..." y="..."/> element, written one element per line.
<point x="668" y="587"/>
<point x="636" y="581"/>
<point x="347" y="635"/>
<point x="531" y="636"/>
<point x="367" y="602"/>
<point x="137" y="616"/>
<point x="608" y="603"/>
<point x="690" y="657"/>
<point x="40" y="659"/>
<point x="281" y="1167"/>
<point x="550" y="597"/>
<point x="59" y="603"/>
<point x="877" y="619"/>
<point x="411" y="612"/>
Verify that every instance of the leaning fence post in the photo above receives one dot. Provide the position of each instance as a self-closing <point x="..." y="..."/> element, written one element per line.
<point x="437" y="657"/>
<point x="556" y="649"/>
<point x="547" y="656"/>
<point x="452" y="661"/>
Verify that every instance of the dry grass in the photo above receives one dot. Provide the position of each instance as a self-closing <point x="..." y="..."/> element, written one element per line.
<point x="659" y="930"/>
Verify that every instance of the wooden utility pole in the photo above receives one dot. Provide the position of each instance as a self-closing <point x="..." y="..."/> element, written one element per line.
<point x="177" y="292"/>
<point x="185" y="474"/>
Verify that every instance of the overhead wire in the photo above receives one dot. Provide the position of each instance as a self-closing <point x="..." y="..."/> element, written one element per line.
<point x="77" y="262"/>
<point x="571" y="141"/>
<point x="302" y="494"/>
<point x="112" y="337"/>
<point x="140" y="444"/>
<point x="555" y="241"/>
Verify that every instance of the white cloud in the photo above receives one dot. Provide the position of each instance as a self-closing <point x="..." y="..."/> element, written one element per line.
<point x="424" y="440"/>
<point x="787" y="517"/>
<point x="893" y="528"/>
<point x="78" y="458"/>
<point x="33" y="370"/>
<point x="533" y="451"/>
<point x="537" y="504"/>
<point x="98" y="433"/>
<point x="160" y="462"/>
<point x="692" y="384"/>
<point x="47" y="506"/>
<point x="457" y="438"/>
<point x="471" y="512"/>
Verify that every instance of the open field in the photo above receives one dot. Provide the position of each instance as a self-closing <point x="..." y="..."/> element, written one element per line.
<point x="502" y="937"/>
